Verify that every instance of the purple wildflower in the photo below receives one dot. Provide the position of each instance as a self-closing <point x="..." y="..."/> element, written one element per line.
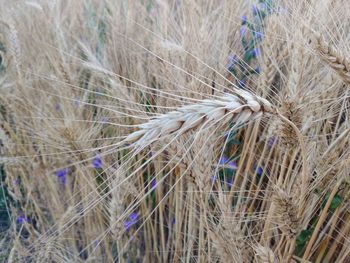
<point x="233" y="165"/>
<point x="131" y="221"/>
<point x="257" y="70"/>
<point x="128" y="224"/>
<point x="242" y="83"/>
<point x="229" y="182"/>
<point x="133" y="216"/>
<point x="258" y="170"/>
<point x="242" y="31"/>
<point x="244" y="19"/>
<point x="62" y="175"/>
<point x="21" y="219"/>
<point x="255" y="52"/>
<point x="259" y="35"/>
<point x="255" y="10"/>
<point x="153" y="184"/>
<point x="97" y="162"/>
<point x="271" y="141"/>
<point x="232" y="60"/>
<point x="230" y="164"/>
<point x="223" y="160"/>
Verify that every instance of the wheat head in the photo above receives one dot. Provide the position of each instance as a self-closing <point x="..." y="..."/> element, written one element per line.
<point x="239" y="108"/>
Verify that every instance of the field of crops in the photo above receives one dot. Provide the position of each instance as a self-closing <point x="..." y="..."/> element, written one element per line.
<point x="175" y="131"/>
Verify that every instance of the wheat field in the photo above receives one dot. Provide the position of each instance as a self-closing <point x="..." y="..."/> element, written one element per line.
<point x="175" y="131"/>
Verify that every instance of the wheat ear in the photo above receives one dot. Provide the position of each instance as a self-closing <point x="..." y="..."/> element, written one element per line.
<point x="286" y="213"/>
<point x="264" y="255"/>
<point x="14" y="46"/>
<point x="240" y="108"/>
<point x="333" y="58"/>
<point x="274" y="51"/>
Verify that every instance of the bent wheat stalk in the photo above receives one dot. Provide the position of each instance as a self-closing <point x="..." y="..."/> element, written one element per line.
<point x="239" y="108"/>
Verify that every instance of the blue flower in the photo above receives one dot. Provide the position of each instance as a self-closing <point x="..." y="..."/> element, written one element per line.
<point x="133" y="216"/>
<point x="242" y="31"/>
<point x="97" y="162"/>
<point x="233" y="165"/>
<point x="255" y="52"/>
<point x="232" y="60"/>
<point x="271" y="141"/>
<point x="131" y="221"/>
<point x="21" y="219"/>
<point x="153" y="184"/>
<point x="229" y="182"/>
<point x="255" y="10"/>
<point x="230" y="164"/>
<point x="259" y="35"/>
<point x="242" y="83"/>
<point x="223" y="160"/>
<point x="258" y="170"/>
<point x="244" y="19"/>
<point x="62" y="175"/>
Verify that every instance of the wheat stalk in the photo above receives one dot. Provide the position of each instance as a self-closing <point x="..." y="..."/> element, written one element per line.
<point x="240" y="108"/>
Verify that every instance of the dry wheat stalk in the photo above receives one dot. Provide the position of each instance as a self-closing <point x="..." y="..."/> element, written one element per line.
<point x="240" y="108"/>
<point x="333" y="57"/>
